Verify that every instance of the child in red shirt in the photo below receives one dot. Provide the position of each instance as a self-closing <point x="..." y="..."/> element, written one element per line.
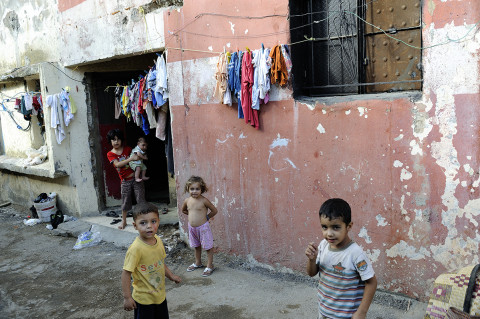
<point x="119" y="156"/>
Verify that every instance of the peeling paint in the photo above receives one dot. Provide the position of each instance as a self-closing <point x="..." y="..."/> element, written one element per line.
<point x="405" y="175"/>
<point x="397" y="163"/>
<point x="348" y="112"/>
<point x="373" y="254"/>
<point x="321" y="129"/>
<point x="363" y="234"/>
<point x="416" y="149"/>
<point x="398" y="138"/>
<point x="232" y="27"/>
<point x="381" y="221"/>
<point x="468" y="169"/>
<point x="279" y="142"/>
<point x="402" y="249"/>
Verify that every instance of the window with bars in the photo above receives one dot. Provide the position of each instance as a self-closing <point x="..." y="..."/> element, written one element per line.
<point x="355" y="46"/>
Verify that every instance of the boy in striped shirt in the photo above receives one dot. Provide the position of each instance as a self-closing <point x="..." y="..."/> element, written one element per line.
<point x="347" y="282"/>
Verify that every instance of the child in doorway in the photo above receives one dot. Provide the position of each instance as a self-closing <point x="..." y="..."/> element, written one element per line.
<point x="138" y="166"/>
<point x="347" y="282"/>
<point x="197" y="208"/>
<point x="120" y="157"/>
<point x="145" y="263"/>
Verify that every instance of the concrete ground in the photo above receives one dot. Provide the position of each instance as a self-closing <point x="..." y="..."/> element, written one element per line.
<point x="86" y="281"/>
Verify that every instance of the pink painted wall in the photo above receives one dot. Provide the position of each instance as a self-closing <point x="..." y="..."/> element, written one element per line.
<point x="400" y="161"/>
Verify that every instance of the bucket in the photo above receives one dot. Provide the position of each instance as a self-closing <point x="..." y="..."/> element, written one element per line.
<point x="45" y="209"/>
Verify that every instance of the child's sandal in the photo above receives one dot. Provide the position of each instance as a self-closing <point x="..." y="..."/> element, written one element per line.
<point x="208" y="271"/>
<point x="192" y="267"/>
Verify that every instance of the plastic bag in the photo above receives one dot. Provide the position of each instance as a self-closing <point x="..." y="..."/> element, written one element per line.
<point x="31" y="222"/>
<point x="88" y="239"/>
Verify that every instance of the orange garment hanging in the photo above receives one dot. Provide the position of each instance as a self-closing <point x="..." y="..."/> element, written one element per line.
<point x="278" y="71"/>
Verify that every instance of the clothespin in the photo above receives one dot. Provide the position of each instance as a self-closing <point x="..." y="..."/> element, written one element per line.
<point x="263" y="48"/>
<point x="159" y="54"/>
<point x="224" y="50"/>
<point x="67" y="89"/>
<point x="248" y="50"/>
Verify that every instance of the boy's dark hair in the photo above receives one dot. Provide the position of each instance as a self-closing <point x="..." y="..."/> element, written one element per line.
<point x="115" y="133"/>
<point x="143" y="209"/>
<point x="142" y="139"/>
<point x="196" y="179"/>
<point x="336" y="208"/>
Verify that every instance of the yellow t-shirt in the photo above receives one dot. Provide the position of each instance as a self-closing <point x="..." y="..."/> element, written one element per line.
<point x="146" y="263"/>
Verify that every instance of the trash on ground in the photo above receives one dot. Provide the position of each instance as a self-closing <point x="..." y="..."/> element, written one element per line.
<point x="31" y="222"/>
<point x="88" y="239"/>
<point x="45" y="205"/>
<point x="56" y="219"/>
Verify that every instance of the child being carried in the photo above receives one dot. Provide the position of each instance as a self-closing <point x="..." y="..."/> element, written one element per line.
<point x="138" y="166"/>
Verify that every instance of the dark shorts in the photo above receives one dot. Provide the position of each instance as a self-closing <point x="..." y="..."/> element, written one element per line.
<point x="151" y="311"/>
<point x="128" y="188"/>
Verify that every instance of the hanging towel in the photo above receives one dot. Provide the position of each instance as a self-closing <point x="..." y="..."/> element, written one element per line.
<point x="251" y="115"/>
<point x="221" y="78"/>
<point x="278" y="71"/>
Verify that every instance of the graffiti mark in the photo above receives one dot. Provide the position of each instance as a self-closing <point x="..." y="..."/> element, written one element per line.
<point x="277" y="148"/>
<point x="226" y="139"/>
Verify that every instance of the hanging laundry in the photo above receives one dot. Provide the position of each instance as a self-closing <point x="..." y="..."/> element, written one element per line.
<point x="221" y="78"/>
<point x="162" y="115"/>
<point x="28" y="101"/>
<point x="151" y="115"/>
<point x="227" y="99"/>
<point x="238" y="82"/>
<point x="118" y="102"/>
<point x="161" y="86"/>
<point x="126" y="104"/>
<point x="261" y="78"/>
<point x="65" y="104"/>
<point x="288" y="61"/>
<point x="251" y="115"/>
<point x="56" y="116"/>
<point x="257" y="54"/>
<point x="264" y="76"/>
<point x="278" y="71"/>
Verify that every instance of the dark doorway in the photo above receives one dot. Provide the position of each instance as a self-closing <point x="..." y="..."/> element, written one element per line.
<point x="103" y="100"/>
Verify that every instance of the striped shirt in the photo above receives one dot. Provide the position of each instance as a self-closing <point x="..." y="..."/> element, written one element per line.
<point x="342" y="275"/>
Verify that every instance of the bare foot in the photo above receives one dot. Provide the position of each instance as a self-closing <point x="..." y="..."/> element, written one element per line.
<point x="123" y="225"/>
<point x="138" y="180"/>
<point x="145" y="178"/>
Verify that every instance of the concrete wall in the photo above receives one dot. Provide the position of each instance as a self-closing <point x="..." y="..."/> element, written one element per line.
<point x="406" y="162"/>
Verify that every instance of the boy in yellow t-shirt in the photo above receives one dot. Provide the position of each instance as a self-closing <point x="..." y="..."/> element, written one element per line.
<point x="144" y="262"/>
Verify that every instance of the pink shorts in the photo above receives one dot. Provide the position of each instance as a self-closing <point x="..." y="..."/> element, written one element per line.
<point x="201" y="236"/>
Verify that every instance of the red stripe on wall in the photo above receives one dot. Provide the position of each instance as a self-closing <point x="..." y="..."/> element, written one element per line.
<point x="64" y="5"/>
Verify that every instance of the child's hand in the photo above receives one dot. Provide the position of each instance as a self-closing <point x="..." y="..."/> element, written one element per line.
<point x="129" y="304"/>
<point x="134" y="157"/>
<point x="176" y="279"/>
<point x="311" y="251"/>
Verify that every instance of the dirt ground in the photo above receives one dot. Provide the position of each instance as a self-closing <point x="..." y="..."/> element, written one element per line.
<point x="41" y="276"/>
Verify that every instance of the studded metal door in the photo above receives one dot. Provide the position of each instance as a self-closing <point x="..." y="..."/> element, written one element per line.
<point x="394" y="58"/>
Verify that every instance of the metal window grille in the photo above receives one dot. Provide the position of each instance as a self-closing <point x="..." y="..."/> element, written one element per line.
<point x="346" y="55"/>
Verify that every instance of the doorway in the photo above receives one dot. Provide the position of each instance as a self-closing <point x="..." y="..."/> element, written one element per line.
<point x="103" y="101"/>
